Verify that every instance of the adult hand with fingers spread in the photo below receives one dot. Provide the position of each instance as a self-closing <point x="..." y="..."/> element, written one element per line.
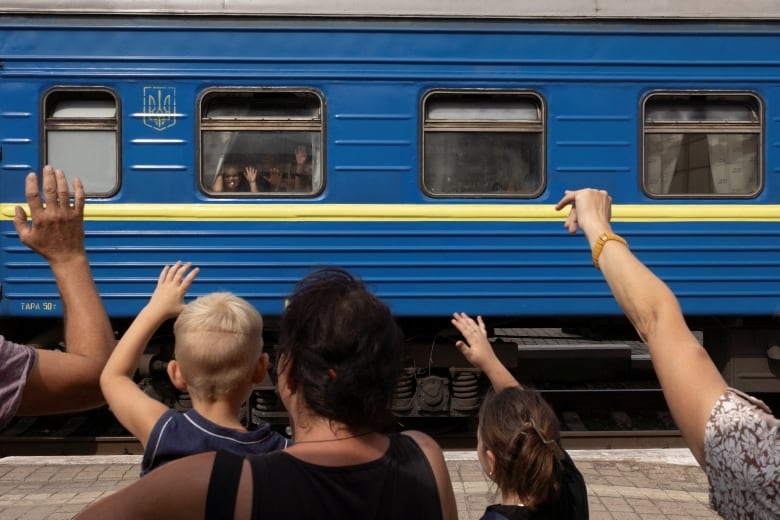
<point x="275" y="179"/>
<point x="57" y="228"/>
<point x="52" y="381"/>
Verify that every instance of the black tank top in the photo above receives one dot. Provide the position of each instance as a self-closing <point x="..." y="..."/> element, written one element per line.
<point x="399" y="485"/>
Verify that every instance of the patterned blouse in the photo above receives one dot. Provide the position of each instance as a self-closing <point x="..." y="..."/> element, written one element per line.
<point x="742" y="453"/>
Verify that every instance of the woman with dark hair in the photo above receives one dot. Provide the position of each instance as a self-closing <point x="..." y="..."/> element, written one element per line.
<point x="340" y="350"/>
<point x="518" y="441"/>
<point x="338" y="361"/>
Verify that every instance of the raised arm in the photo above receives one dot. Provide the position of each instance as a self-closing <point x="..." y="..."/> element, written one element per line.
<point x="479" y="352"/>
<point x="62" y="382"/>
<point x="137" y="411"/>
<point x="690" y="380"/>
<point x="218" y="184"/>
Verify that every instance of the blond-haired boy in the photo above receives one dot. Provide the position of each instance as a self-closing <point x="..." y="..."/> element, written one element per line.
<point x="218" y="358"/>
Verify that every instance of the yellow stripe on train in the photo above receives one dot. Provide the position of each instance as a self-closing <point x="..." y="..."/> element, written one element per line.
<point x="262" y="211"/>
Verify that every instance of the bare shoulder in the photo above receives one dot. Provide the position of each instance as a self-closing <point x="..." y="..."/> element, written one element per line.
<point x="423" y="440"/>
<point x="435" y="457"/>
<point x="429" y="446"/>
<point x="175" y="491"/>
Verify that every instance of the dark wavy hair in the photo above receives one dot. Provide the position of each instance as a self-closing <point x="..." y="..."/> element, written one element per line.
<point x="344" y="349"/>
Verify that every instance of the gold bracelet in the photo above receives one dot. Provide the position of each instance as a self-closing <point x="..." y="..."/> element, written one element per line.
<point x="599" y="245"/>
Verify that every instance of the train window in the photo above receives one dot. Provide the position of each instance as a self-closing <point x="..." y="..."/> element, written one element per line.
<point x="82" y="137"/>
<point x="702" y="145"/>
<point x="261" y="143"/>
<point x="483" y="144"/>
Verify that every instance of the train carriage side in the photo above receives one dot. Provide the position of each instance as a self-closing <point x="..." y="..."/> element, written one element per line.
<point x="435" y="151"/>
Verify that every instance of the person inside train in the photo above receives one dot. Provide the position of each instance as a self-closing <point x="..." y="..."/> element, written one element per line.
<point x="233" y="178"/>
<point x="277" y="179"/>
<point x="295" y="176"/>
<point x="39" y="381"/>
<point x="218" y="351"/>
<point x="518" y="441"/>
<point x="734" y="437"/>
<point x="339" y="357"/>
<point x="301" y="169"/>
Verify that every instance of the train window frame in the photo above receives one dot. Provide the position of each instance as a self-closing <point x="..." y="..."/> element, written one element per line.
<point x="70" y="110"/>
<point x="268" y="119"/>
<point x="480" y="101"/>
<point x="706" y="124"/>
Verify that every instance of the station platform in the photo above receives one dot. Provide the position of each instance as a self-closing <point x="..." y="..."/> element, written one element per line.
<point x="622" y="484"/>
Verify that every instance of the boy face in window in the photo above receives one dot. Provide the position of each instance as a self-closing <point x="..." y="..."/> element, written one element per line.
<point x="231" y="178"/>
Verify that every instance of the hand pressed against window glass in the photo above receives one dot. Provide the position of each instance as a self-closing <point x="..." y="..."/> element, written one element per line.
<point x="232" y="178"/>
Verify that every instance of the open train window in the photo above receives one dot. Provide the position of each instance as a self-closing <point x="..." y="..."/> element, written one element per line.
<point x="483" y="144"/>
<point x="702" y="145"/>
<point x="81" y="130"/>
<point x="261" y="143"/>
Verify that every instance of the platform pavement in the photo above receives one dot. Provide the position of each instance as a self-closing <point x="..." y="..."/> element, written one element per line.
<point x="622" y="484"/>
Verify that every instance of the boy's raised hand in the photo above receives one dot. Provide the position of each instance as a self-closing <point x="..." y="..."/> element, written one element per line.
<point x="167" y="300"/>
<point x="137" y="411"/>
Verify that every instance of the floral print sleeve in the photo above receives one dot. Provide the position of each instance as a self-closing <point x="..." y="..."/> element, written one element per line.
<point x="742" y="453"/>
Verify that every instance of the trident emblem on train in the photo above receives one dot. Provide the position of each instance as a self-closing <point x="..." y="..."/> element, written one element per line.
<point x="159" y="107"/>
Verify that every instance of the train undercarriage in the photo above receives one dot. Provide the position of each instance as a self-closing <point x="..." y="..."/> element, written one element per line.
<point x="576" y="365"/>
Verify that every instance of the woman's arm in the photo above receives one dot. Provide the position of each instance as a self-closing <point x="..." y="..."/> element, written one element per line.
<point x="175" y="491"/>
<point x="432" y="451"/>
<point x="64" y="381"/>
<point x="689" y="379"/>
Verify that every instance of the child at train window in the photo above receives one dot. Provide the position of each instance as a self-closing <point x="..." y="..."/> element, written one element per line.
<point x="277" y="180"/>
<point x="518" y="441"/>
<point x="232" y="178"/>
<point x="295" y="175"/>
<point x="218" y="357"/>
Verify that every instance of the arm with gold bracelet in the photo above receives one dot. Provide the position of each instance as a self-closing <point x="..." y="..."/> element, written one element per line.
<point x="690" y="381"/>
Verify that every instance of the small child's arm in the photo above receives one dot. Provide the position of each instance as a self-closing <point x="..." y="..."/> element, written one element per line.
<point x="479" y="352"/>
<point x="218" y="184"/>
<point x="137" y="411"/>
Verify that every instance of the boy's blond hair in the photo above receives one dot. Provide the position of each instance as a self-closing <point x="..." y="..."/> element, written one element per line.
<point x="219" y="339"/>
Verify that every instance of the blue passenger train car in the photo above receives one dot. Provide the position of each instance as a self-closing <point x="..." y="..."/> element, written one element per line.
<point x="420" y="144"/>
